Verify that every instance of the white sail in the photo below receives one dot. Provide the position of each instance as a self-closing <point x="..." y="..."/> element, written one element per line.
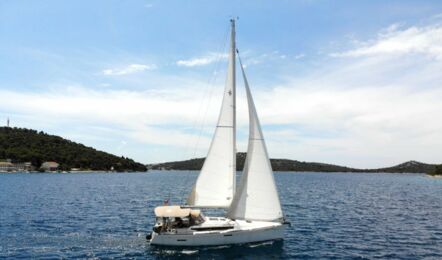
<point x="215" y="185"/>
<point x="257" y="196"/>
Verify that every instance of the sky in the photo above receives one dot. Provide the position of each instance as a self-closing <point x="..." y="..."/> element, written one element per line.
<point x="355" y="83"/>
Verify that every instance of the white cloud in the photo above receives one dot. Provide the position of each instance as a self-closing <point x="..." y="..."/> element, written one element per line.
<point x="425" y="40"/>
<point x="332" y="118"/>
<point x="299" y="56"/>
<point x="105" y="85"/>
<point x="145" y="116"/>
<point x="250" y="58"/>
<point x="373" y="111"/>
<point x="364" y="112"/>
<point x="203" y="60"/>
<point x="130" y="69"/>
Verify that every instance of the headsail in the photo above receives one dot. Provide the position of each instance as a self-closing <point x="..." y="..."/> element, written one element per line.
<point x="257" y="196"/>
<point x="215" y="185"/>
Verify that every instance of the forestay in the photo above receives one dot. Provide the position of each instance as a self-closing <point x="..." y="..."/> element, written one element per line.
<point x="215" y="185"/>
<point x="257" y="196"/>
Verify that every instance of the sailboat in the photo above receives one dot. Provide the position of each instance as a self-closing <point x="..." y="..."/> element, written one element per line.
<point x="253" y="210"/>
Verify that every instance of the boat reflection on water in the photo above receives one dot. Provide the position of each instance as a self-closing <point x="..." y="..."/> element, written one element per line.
<point x="266" y="250"/>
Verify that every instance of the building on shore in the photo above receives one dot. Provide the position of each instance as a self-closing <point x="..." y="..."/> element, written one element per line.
<point x="8" y="166"/>
<point x="23" y="166"/>
<point x="49" y="166"/>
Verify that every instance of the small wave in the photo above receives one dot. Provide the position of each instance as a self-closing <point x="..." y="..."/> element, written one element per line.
<point x="267" y="243"/>
<point x="219" y="247"/>
<point x="189" y="252"/>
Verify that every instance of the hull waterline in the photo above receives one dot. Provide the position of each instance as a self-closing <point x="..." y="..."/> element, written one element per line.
<point x="242" y="233"/>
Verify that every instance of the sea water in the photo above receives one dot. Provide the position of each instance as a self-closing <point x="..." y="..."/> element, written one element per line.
<point x="333" y="215"/>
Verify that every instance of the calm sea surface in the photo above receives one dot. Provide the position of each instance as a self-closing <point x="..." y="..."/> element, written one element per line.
<point x="333" y="215"/>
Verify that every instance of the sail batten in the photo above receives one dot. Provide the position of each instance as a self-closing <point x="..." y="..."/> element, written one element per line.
<point x="215" y="185"/>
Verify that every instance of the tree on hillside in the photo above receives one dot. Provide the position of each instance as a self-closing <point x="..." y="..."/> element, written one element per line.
<point x="438" y="170"/>
<point x="25" y="145"/>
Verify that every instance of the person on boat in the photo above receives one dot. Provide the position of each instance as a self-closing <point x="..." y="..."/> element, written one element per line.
<point x="179" y="223"/>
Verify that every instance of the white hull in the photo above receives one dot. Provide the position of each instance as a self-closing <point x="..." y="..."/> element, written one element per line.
<point x="241" y="233"/>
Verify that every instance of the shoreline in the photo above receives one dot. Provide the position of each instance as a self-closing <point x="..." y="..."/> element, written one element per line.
<point x="184" y="171"/>
<point x="57" y="172"/>
<point x="365" y="172"/>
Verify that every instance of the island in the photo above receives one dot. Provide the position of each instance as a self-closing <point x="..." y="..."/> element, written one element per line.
<point x="24" y="149"/>
<point x="288" y="165"/>
<point x="30" y="150"/>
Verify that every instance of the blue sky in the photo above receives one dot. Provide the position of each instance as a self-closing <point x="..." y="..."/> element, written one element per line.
<point x="356" y="83"/>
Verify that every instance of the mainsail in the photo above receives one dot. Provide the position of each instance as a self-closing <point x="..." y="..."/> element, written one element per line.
<point x="215" y="185"/>
<point x="257" y="196"/>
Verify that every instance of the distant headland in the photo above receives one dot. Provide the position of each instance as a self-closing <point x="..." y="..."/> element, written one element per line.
<point x="29" y="150"/>
<point x="298" y="166"/>
<point x="436" y="172"/>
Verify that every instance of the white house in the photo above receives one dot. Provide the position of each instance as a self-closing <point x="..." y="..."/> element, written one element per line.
<point x="49" y="166"/>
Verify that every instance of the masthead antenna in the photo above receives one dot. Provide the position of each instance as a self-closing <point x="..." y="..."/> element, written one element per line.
<point x="233" y="18"/>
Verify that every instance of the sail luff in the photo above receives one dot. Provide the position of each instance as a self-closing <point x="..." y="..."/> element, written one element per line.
<point x="215" y="185"/>
<point x="257" y="197"/>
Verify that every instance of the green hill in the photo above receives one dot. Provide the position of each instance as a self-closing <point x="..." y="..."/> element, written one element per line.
<point x="437" y="171"/>
<point x="410" y="166"/>
<point x="298" y="166"/>
<point x="26" y="145"/>
<point x="277" y="165"/>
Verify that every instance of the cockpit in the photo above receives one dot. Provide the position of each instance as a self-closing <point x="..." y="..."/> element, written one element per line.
<point x="170" y="218"/>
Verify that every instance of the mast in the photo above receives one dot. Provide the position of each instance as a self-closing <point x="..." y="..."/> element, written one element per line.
<point x="233" y="83"/>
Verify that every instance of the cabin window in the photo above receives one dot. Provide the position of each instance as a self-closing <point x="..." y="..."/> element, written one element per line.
<point x="211" y="228"/>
